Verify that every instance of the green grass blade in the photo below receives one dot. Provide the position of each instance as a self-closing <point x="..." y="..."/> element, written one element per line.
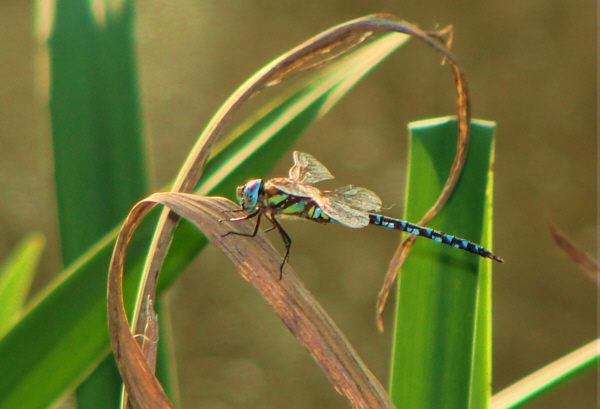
<point x="64" y="334"/>
<point x="99" y="152"/>
<point x="99" y="159"/>
<point x="550" y="377"/>
<point x="166" y="368"/>
<point x="481" y="376"/>
<point x="436" y="314"/>
<point x="102" y="388"/>
<point x="16" y="274"/>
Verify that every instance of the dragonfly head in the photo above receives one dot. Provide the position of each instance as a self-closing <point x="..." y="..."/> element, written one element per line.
<point x="248" y="194"/>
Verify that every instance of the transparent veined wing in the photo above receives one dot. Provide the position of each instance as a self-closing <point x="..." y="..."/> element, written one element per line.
<point x="333" y="205"/>
<point x="342" y="211"/>
<point x="358" y="197"/>
<point x="307" y="169"/>
<point x="294" y="188"/>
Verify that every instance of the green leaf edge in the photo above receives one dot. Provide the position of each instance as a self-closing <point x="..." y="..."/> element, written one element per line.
<point x="16" y="275"/>
<point x="549" y="378"/>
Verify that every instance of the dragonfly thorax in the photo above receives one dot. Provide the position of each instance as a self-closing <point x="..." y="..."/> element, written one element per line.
<point x="248" y="195"/>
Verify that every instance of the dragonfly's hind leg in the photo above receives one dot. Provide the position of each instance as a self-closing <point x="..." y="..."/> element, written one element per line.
<point x="287" y="241"/>
<point x="273" y="227"/>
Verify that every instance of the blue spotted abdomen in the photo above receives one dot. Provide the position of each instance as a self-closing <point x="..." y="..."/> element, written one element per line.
<point x="431" y="234"/>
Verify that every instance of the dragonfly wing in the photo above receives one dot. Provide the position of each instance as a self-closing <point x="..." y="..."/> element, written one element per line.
<point x="308" y="170"/>
<point x="341" y="211"/>
<point x="294" y="188"/>
<point x="358" y="197"/>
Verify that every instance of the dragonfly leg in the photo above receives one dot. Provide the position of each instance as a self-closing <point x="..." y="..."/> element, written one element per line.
<point x="234" y="220"/>
<point x="247" y="217"/>
<point x="287" y="241"/>
<point x="270" y="228"/>
<point x="233" y="211"/>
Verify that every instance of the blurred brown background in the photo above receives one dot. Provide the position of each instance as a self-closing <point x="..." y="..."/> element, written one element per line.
<point x="531" y="67"/>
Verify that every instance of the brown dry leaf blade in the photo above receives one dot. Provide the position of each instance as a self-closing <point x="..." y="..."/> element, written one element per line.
<point x="259" y="263"/>
<point x="144" y="390"/>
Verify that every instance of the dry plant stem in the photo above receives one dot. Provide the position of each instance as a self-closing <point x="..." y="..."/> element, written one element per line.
<point x="194" y="164"/>
<point x="259" y="263"/>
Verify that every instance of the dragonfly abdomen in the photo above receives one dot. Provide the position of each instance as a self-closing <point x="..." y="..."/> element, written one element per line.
<point x="431" y="234"/>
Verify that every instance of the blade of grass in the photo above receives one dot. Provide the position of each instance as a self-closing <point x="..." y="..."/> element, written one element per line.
<point x="548" y="378"/>
<point x="99" y="158"/>
<point x="436" y="314"/>
<point x="16" y="274"/>
<point x="64" y="332"/>
<point x="61" y="337"/>
<point x="102" y="388"/>
<point x="99" y="154"/>
<point x="481" y="376"/>
<point x="166" y="362"/>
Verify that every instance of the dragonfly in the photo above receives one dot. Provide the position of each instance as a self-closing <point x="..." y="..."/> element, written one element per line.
<point x="351" y="206"/>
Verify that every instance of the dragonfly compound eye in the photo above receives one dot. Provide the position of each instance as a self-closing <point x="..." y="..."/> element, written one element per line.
<point x="250" y="194"/>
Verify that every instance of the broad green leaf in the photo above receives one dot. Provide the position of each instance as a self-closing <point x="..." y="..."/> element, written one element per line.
<point x="65" y="333"/>
<point x="99" y="159"/>
<point x="99" y="154"/>
<point x="102" y="388"/>
<point x="16" y="274"/>
<point x="437" y="309"/>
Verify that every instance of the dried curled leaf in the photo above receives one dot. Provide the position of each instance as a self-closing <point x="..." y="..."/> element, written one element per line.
<point x="258" y="262"/>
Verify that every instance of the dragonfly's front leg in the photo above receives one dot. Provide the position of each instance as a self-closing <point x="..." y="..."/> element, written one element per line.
<point x="233" y="211"/>
<point x="246" y="217"/>
<point x="287" y="241"/>
<point x="237" y="219"/>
